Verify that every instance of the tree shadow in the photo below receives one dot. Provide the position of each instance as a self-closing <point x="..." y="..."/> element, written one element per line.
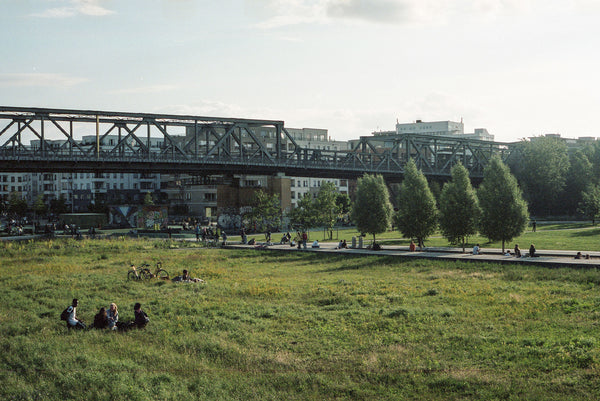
<point x="587" y="233"/>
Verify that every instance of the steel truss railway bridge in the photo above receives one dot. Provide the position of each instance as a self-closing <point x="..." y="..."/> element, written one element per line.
<point x="60" y="140"/>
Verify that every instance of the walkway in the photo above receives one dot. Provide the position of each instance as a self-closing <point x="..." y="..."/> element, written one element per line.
<point x="548" y="258"/>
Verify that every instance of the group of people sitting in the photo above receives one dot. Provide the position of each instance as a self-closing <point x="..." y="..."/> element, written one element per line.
<point x="105" y="319"/>
<point x="342" y="244"/>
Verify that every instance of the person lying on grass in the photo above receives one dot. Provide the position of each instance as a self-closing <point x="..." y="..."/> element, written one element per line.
<point x="185" y="277"/>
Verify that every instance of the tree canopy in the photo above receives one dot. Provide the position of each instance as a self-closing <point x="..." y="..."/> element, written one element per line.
<point x="266" y="211"/>
<point x="326" y="207"/>
<point x="303" y="216"/>
<point x="590" y="202"/>
<point x="372" y="210"/>
<point x="542" y="171"/>
<point x="504" y="213"/>
<point x="417" y="212"/>
<point x="459" y="207"/>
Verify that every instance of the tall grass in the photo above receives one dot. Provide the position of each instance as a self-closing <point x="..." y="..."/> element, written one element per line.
<point x="299" y="326"/>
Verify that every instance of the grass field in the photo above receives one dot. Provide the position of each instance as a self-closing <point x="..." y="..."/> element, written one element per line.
<point x="294" y="326"/>
<point x="558" y="236"/>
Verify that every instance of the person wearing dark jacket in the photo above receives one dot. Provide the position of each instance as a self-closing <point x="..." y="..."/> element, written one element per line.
<point x="101" y="319"/>
<point x="141" y="319"/>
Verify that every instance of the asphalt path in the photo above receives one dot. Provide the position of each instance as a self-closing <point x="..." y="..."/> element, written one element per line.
<point x="551" y="258"/>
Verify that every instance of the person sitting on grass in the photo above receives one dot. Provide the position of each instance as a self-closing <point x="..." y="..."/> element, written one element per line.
<point x="412" y="247"/>
<point x="72" y="321"/>
<point x="476" y="250"/>
<point x="315" y="244"/>
<point x="113" y="316"/>
<point x="532" y="251"/>
<point x="141" y="318"/>
<point x="517" y="251"/>
<point x="100" y="320"/>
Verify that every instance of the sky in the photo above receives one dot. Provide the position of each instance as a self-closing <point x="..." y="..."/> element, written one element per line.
<point x="518" y="68"/>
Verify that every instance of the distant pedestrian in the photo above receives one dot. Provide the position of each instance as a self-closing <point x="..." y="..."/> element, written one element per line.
<point x="533" y="226"/>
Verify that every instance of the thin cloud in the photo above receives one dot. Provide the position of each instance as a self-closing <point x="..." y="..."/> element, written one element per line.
<point x="76" y="7"/>
<point x="281" y="13"/>
<point x="371" y="10"/>
<point x="145" y="90"/>
<point x="39" y="79"/>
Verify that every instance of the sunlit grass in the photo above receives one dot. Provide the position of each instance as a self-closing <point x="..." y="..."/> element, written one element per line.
<point x="273" y="326"/>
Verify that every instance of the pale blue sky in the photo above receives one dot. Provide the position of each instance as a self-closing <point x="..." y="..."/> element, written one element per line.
<point x="516" y="67"/>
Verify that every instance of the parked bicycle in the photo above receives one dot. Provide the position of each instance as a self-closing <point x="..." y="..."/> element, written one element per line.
<point x="143" y="272"/>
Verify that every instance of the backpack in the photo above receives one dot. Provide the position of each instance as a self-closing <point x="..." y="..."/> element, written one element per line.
<point x="65" y="314"/>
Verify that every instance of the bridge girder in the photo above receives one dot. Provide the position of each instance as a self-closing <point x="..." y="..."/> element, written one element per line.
<point x="41" y="140"/>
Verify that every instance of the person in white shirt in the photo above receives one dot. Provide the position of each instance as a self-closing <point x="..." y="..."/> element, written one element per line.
<point x="72" y="321"/>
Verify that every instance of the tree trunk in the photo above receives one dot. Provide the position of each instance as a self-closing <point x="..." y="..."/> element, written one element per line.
<point x="463" y="243"/>
<point x="502" y="247"/>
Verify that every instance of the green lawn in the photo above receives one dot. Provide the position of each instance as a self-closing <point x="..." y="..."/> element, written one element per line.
<point x="295" y="326"/>
<point x="566" y="236"/>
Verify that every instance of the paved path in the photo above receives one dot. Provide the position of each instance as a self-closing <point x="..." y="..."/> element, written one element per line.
<point x="546" y="257"/>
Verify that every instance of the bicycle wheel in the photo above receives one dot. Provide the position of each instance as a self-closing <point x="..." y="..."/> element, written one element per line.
<point x="162" y="274"/>
<point x="132" y="276"/>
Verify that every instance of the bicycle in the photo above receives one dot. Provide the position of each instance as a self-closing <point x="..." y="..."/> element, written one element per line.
<point x="159" y="272"/>
<point x="139" y="273"/>
<point x="143" y="272"/>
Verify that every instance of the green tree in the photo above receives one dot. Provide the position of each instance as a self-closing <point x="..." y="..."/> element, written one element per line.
<point x="503" y="210"/>
<point x="590" y="202"/>
<point x="16" y="205"/>
<point x="372" y="210"/>
<point x="417" y="212"/>
<point x="59" y="205"/>
<point x="148" y="200"/>
<point x="542" y="172"/>
<point x="304" y="216"/>
<point x="579" y="176"/>
<point x="343" y="202"/>
<point x="39" y="206"/>
<point x="266" y="211"/>
<point x="459" y="207"/>
<point x="98" y="206"/>
<point x="326" y="206"/>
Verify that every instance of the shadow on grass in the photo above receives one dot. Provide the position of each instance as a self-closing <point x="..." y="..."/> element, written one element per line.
<point x="362" y="261"/>
<point x="587" y="233"/>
